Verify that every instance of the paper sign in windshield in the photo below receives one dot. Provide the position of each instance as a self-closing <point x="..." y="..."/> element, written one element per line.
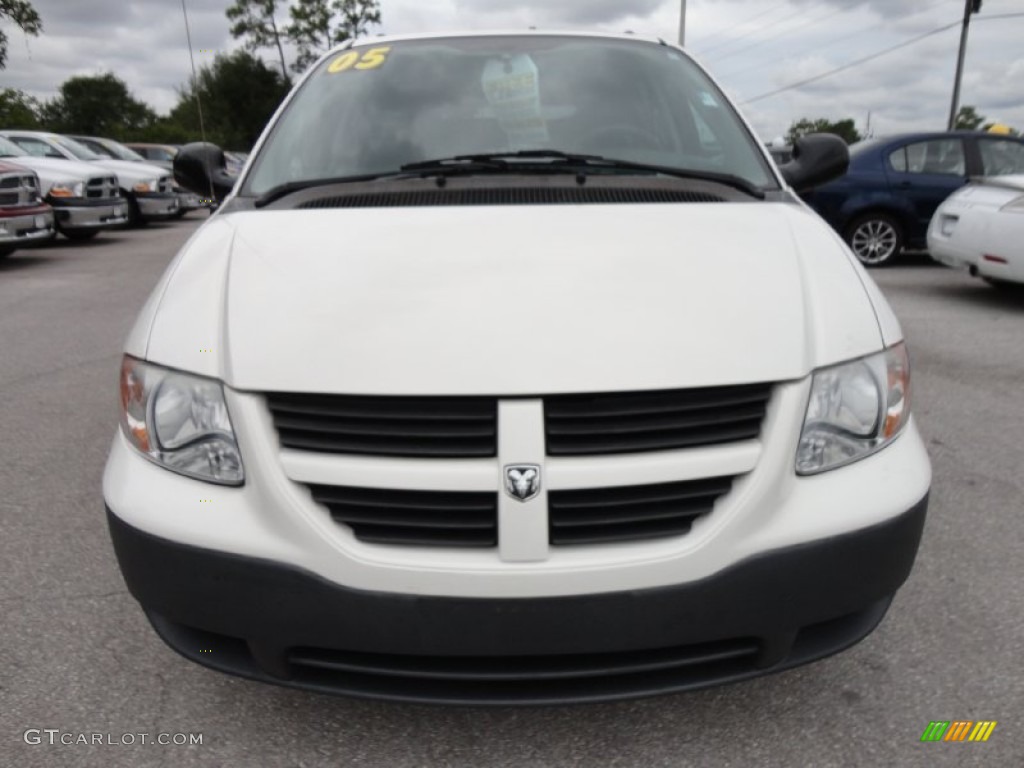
<point x="512" y="87"/>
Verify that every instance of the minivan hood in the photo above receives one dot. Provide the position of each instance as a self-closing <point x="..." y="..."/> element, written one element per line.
<point x="510" y="300"/>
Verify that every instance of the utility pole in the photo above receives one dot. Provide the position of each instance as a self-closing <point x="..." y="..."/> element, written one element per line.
<point x="970" y="7"/>
<point x="682" y="24"/>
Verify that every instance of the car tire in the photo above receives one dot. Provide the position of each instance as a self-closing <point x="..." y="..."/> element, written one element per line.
<point x="134" y="214"/>
<point x="875" y="239"/>
<point x="5" y="252"/>
<point x="80" y="234"/>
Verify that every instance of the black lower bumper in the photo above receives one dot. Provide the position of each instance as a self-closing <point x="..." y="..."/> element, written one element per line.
<point x="278" y="624"/>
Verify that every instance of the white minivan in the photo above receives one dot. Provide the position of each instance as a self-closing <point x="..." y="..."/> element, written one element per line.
<point x="512" y="371"/>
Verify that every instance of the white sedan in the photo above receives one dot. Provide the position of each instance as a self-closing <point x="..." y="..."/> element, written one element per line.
<point x="980" y="228"/>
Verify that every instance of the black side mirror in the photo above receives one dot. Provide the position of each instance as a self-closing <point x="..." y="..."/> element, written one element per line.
<point x="201" y="168"/>
<point x="817" y="158"/>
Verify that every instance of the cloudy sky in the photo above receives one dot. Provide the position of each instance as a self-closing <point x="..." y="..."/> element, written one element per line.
<point x="753" y="47"/>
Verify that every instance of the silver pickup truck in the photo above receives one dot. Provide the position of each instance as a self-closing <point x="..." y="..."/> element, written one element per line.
<point x="147" y="189"/>
<point x="187" y="201"/>
<point x="84" y="197"/>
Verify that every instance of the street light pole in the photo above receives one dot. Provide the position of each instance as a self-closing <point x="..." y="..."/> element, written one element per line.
<point x="970" y="7"/>
<point x="682" y="24"/>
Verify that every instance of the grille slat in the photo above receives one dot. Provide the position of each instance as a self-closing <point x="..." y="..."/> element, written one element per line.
<point x="403" y="447"/>
<point x="522" y="668"/>
<point x="581" y="425"/>
<point x="642" y="494"/>
<point x="643" y="404"/>
<point x="420" y="518"/>
<point x="591" y="445"/>
<point x="636" y="514"/>
<point x="448" y="427"/>
<point x="412" y="427"/>
<point x="619" y="425"/>
<point x="626" y="513"/>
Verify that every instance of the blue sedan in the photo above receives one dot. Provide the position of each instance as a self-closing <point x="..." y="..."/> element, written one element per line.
<point x="895" y="183"/>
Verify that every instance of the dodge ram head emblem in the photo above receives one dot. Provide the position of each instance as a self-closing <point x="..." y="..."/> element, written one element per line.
<point x="522" y="481"/>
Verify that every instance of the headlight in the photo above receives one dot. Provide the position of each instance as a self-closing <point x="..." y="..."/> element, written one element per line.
<point x="152" y="185"/>
<point x="68" y="189"/>
<point x="179" y="421"/>
<point x="855" y="409"/>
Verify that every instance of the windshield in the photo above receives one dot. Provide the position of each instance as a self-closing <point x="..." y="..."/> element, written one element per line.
<point x="9" y="149"/>
<point x="80" y="151"/>
<point x="118" y="151"/>
<point x="373" y="109"/>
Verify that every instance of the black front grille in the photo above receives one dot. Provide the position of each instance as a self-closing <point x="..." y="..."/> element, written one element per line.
<point x="418" y="518"/>
<point x="581" y="425"/>
<point x="523" y="679"/>
<point x="18" y="189"/>
<point x="102" y="187"/>
<point x="433" y="427"/>
<point x="542" y="195"/>
<point x="627" y="513"/>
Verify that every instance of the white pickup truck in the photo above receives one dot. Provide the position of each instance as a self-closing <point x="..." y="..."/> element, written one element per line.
<point x="84" y="198"/>
<point x="147" y="188"/>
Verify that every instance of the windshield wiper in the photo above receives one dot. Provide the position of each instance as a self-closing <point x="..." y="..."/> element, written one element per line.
<point x="498" y="162"/>
<point x="276" y="193"/>
<point x="452" y="166"/>
<point x="571" y="162"/>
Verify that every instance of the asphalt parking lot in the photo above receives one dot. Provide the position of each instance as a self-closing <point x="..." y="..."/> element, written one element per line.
<point x="78" y="656"/>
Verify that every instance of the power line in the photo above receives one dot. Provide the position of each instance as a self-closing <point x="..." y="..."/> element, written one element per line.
<point x="722" y="30"/>
<point x="745" y="35"/>
<point x="872" y="28"/>
<point x="853" y="64"/>
<point x="874" y="56"/>
<point x="807" y="23"/>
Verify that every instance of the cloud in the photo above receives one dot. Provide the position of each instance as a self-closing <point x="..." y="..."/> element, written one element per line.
<point x="750" y="46"/>
<point x="568" y="12"/>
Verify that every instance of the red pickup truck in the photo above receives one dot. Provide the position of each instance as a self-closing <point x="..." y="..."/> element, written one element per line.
<point x="24" y="217"/>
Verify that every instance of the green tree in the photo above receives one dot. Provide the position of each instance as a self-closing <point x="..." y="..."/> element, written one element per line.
<point x="319" y="24"/>
<point x="97" y="105"/>
<point x="968" y="119"/>
<point x="844" y="129"/>
<point x="254" y="20"/>
<point x="238" y="93"/>
<point x="24" y="17"/>
<point x="18" y="110"/>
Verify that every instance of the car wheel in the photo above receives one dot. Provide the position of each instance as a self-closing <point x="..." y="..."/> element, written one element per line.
<point x="134" y="214"/>
<point x="80" y="234"/>
<point x="875" y="239"/>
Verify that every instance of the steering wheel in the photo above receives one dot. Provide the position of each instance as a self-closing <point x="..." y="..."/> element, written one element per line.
<point x="622" y="134"/>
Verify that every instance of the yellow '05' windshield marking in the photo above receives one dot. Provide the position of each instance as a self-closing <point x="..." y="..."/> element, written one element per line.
<point x="359" y="61"/>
